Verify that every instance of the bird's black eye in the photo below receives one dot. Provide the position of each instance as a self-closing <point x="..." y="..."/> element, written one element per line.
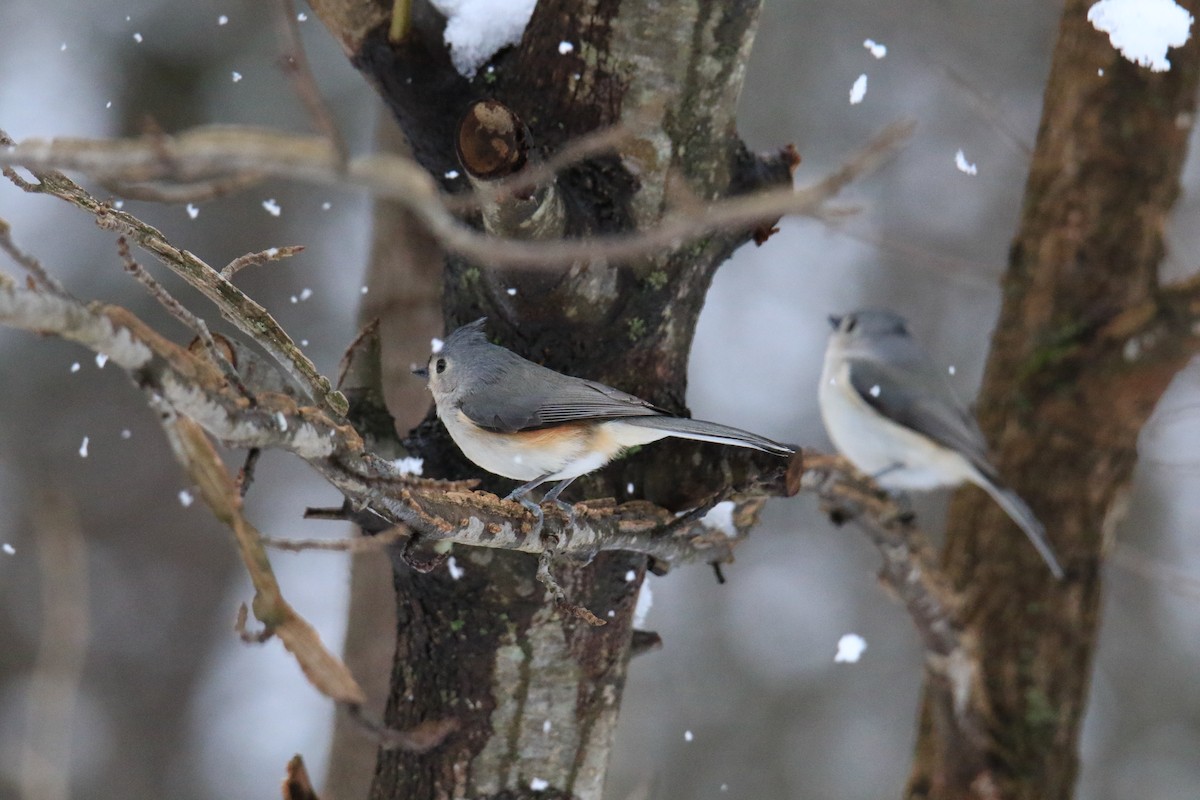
<point x="850" y="325"/>
<point x="440" y="367"/>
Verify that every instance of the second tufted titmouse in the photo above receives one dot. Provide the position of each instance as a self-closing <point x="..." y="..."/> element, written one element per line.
<point x="894" y="415"/>
<point x="524" y="421"/>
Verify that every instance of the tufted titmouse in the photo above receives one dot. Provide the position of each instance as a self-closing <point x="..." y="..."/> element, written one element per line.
<point x="523" y="421"/>
<point x="892" y="412"/>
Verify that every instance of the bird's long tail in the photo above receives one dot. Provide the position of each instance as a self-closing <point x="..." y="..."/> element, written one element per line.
<point x="1021" y="514"/>
<point x="703" y="431"/>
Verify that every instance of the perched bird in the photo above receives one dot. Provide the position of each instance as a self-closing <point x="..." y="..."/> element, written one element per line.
<point x="892" y="412"/>
<point x="523" y="421"/>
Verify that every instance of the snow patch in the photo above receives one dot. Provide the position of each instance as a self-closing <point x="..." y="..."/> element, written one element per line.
<point x="964" y="166"/>
<point x="436" y="345"/>
<point x="185" y="498"/>
<point x="849" y="649"/>
<point x="477" y="29"/>
<point x="720" y="518"/>
<point x="409" y="465"/>
<point x="644" y="601"/>
<point x="1143" y="30"/>
<point x="456" y="572"/>
<point x="875" y="48"/>
<point x="859" y="90"/>
<point x="538" y="785"/>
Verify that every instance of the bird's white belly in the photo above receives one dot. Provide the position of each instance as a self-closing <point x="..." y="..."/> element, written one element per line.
<point x="896" y="456"/>
<point x="559" y="452"/>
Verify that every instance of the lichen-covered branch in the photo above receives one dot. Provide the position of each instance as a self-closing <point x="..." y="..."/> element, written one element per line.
<point x="194" y="388"/>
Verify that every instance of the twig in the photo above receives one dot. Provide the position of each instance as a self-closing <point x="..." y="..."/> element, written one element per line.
<point x="910" y="570"/>
<point x="401" y="21"/>
<point x="986" y="107"/>
<point x="251" y="318"/>
<point x="547" y="579"/>
<point x="358" y="544"/>
<point x="178" y="193"/>
<point x="420" y="739"/>
<point x="196" y="454"/>
<point x="246" y="474"/>
<point x="296" y="784"/>
<point x="261" y="257"/>
<point x="181" y="313"/>
<point x="295" y="65"/>
<point x="30" y="264"/>
<point x="242" y="628"/>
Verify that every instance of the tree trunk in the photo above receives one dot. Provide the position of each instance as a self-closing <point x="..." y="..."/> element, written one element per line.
<point x="1086" y="343"/>
<point x="537" y="692"/>
<point x="404" y="295"/>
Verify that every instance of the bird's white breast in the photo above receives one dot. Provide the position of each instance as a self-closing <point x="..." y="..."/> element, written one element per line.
<point x="898" y="457"/>
<point x="560" y="451"/>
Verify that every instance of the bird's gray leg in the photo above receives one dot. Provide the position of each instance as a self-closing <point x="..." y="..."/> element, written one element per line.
<point x="567" y="508"/>
<point x="521" y="495"/>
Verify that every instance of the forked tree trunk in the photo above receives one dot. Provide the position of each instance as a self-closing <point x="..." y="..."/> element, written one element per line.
<point x="1086" y="344"/>
<point x="537" y="692"/>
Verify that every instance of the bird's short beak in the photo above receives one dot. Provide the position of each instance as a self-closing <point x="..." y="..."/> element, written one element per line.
<point x="422" y="372"/>
<point x="834" y="321"/>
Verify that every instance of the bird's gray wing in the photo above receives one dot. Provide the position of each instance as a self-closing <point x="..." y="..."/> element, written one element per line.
<point x="916" y="395"/>
<point x="535" y="397"/>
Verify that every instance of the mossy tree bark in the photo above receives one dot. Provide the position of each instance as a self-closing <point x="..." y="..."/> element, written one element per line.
<point x="538" y="692"/>
<point x="1087" y="341"/>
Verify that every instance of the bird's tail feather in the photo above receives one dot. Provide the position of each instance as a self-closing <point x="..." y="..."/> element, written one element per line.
<point x="702" y="431"/>
<point x="1021" y="514"/>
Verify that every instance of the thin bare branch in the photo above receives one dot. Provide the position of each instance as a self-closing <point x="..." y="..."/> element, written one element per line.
<point x="181" y="313"/>
<point x="28" y="262"/>
<point x="178" y="193"/>
<point x="246" y="475"/>
<point x="261" y="257"/>
<point x="547" y="579"/>
<point x="209" y="152"/>
<point x="196" y="454"/>
<point x="420" y="739"/>
<point x="295" y="65"/>
<point x="296" y="784"/>
<point x="358" y="544"/>
<point x="251" y="318"/>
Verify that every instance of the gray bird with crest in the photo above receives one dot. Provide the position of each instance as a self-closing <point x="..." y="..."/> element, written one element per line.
<point x="524" y="421"/>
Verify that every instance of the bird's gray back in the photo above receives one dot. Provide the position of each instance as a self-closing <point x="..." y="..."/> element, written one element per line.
<point x="899" y="381"/>
<point x="508" y="393"/>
